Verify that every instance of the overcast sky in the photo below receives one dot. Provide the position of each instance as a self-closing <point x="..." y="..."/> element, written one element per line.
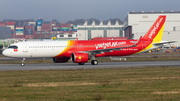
<point x="65" y="10"/>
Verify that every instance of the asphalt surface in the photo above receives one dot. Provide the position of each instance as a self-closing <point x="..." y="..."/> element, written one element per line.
<point x="20" y="59"/>
<point x="14" y="67"/>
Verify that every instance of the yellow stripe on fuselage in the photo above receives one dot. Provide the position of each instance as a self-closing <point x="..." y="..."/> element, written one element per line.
<point x="65" y="49"/>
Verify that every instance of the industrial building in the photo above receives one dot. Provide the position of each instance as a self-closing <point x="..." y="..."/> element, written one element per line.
<point x="136" y="24"/>
<point x="5" y="32"/>
<point x="89" y="31"/>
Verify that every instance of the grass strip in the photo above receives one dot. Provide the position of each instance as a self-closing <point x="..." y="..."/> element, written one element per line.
<point x="129" y="84"/>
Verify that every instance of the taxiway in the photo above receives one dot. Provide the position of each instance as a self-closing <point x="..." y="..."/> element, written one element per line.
<point x="45" y="66"/>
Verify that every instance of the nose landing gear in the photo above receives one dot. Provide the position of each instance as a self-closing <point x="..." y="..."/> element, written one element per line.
<point x="23" y="60"/>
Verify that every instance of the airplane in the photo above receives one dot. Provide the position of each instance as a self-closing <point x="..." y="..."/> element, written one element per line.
<point x="80" y="51"/>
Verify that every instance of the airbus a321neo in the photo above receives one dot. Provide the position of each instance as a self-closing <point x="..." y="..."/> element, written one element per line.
<point x="80" y="51"/>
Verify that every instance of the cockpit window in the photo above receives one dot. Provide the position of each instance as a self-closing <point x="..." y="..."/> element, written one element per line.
<point x="13" y="47"/>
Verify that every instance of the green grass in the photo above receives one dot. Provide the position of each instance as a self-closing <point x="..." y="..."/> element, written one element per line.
<point x="127" y="84"/>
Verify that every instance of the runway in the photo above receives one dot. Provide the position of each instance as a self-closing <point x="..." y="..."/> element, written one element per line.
<point x="64" y="66"/>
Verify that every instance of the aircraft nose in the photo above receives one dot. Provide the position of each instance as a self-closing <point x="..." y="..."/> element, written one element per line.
<point x="5" y="53"/>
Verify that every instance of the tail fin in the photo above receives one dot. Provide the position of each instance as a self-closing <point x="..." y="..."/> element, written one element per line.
<point x="156" y="31"/>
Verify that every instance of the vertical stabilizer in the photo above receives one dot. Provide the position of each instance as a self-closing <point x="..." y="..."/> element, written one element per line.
<point x="156" y="31"/>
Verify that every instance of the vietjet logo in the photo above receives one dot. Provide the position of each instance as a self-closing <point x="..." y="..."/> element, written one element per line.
<point x="153" y="31"/>
<point x="109" y="44"/>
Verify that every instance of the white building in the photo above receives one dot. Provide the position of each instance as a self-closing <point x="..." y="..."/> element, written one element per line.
<point x="136" y="24"/>
<point x="89" y="31"/>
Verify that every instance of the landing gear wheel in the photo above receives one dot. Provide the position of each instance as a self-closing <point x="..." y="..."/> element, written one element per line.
<point x="94" y="62"/>
<point x="23" y="60"/>
<point x="81" y="63"/>
<point x="22" y="64"/>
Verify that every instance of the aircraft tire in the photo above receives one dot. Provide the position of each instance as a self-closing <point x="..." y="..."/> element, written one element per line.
<point x="94" y="62"/>
<point x="81" y="63"/>
<point x="23" y="64"/>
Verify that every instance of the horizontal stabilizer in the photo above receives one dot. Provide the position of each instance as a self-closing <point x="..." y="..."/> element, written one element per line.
<point x="162" y="43"/>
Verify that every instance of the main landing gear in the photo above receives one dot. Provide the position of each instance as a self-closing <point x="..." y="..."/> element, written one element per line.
<point x="94" y="62"/>
<point x="23" y="60"/>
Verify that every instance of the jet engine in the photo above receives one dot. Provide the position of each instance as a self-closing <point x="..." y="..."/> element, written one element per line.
<point x="60" y="59"/>
<point x="79" y="57"/>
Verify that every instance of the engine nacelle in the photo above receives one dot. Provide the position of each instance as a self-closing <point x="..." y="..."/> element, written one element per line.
<point x="79" y="57"/>
<point x="60" y="59"/>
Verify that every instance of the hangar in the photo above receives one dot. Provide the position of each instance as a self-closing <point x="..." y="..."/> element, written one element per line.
<point x="90" y="30"/>
<point x="136" y="24"/>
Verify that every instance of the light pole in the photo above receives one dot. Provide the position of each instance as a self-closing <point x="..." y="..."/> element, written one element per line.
<point x="4" y="34"/>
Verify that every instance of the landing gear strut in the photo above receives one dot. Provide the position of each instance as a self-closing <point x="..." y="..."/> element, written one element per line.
<point x="23" y="60"/>
<point x="94" y="62"/>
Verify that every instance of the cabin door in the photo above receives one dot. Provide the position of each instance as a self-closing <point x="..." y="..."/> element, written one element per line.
<point x="25" y="48"/>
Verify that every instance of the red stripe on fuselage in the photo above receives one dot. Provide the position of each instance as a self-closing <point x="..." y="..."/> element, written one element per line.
<point x="88" y="45"/>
